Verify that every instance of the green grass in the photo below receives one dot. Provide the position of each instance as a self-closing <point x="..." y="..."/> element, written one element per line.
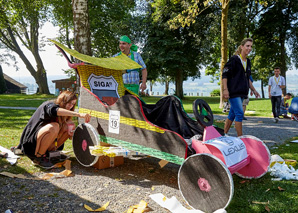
<point x="262" y="107"/>
<point x="261" y="190"/>
<point x="22" y="100"/>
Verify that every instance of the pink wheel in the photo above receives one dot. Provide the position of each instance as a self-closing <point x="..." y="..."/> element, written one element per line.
<point x="259" y="158"/>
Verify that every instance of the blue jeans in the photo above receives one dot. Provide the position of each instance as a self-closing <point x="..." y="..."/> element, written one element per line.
<point x="236" y="110"/>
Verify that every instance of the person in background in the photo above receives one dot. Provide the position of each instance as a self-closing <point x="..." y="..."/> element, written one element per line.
<point x="49" y="127"/>
<point x="276" y="84"/>
<point x="246" y="101"/>
<point x="131" y="78"/>
<point x="285" y="105"/>
<point x="236" y="83"/>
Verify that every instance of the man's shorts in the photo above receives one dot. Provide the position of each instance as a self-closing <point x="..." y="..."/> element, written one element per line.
<point x="245" y="102"/>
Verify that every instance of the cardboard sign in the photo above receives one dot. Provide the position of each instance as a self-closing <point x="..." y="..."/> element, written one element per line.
<point x="114" y="121"/>
<point x="103" y="86"/>
<point x="233" y="149"/>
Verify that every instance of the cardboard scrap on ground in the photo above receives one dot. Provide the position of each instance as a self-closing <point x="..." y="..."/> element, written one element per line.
<point x="100" y="209"/>
<point x="141" y="207"/>
<point x="21" y="176"/>
<point x="263" y="203"/>
<point x="162" y="163"/>
<point x="65" y="173"/>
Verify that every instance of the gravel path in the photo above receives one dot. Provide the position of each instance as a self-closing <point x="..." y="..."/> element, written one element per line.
<point x="123" y="186"/>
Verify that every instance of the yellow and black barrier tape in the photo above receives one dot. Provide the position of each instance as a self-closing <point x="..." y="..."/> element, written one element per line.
<point x="124" y="120"/>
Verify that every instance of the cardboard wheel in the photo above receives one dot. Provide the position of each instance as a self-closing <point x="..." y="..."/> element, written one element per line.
<point x="202" y="112"/>
<point x="259" y="158"/>
<point x="84" y="136"/>
<point x="205" y="182"/>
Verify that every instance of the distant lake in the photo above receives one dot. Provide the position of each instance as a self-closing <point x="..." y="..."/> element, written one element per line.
<point x="198" y="87"/>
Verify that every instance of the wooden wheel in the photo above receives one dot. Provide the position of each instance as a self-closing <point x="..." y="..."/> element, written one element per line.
<point x="205" y="182"/>
<point x="259" y="158"/>
<point x="84" y="136"/>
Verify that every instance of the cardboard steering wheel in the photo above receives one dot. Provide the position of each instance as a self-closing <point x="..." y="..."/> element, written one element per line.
<point x="202" y="112"/>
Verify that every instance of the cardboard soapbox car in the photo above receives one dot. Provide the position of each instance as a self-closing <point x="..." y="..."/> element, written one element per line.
<point x="162" y="130"/>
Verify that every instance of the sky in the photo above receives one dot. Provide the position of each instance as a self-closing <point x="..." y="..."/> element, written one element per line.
<point x="55" y="63"/>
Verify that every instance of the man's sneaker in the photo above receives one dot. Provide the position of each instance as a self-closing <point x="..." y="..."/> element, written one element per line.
<point x="43" y="162"/>
<point x="276" y="119"/>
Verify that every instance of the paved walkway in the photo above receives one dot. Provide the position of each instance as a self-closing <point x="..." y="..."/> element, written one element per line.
<point x="261" y="127"/>
<point x="265" y="129"/>
<point x="28" y="108"/>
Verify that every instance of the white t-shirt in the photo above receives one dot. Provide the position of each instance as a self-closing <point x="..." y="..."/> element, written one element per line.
<point x="275" y="83"/>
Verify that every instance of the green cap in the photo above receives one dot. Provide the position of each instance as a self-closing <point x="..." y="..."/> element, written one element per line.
<point x="125" y="38"/>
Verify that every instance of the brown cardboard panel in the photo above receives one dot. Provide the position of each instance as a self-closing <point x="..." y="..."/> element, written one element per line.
<point x="107" y="162"/>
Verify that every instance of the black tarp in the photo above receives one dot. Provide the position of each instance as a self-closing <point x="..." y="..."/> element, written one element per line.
<point x="168" y="113"/>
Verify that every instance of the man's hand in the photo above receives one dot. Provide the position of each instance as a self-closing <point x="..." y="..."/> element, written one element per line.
<point x="143" y="86"/>
<point x="251" y="92"/>
<point x="256" y="94"/>
<point x="226" y="94"/>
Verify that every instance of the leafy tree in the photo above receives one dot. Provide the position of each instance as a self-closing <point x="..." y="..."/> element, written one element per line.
<point x="108" y="20"/>
<point x="19" y="25"/>
<point x="193" y="13"/>
<point x="62" y="16"/>
<point x="275" y="28"/>
<point x="3" y="87"/>
<point x="177" y="52"/>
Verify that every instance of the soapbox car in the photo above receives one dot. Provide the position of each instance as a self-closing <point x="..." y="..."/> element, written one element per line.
<point x="162" y="130"/>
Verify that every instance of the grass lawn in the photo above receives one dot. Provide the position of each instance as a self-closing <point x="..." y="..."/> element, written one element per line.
<point x="255" y="195"/>
<point x="262" y="107"/>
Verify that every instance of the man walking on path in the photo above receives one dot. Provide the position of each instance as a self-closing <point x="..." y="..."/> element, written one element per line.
<point x="276" y="84"/>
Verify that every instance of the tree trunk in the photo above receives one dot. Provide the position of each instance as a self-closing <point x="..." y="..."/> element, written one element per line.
<point x="224" y="43"/>
<point x="40" y="74"/>
<point x="167" y="85"/>
<point x="82" y="35"/>
<point x="151" y="87"/>
<point x="262" y="89"/>
<point x="283" y="61"/>
<point x="179" y="83"/>
<point x="3" y="87"/>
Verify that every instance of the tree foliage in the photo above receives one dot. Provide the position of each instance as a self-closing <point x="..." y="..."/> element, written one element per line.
<point x="275" y="28"/>
<point x="20" y="22"/>
<point x="108" y="21"/>
<point x="176" y="52"/>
